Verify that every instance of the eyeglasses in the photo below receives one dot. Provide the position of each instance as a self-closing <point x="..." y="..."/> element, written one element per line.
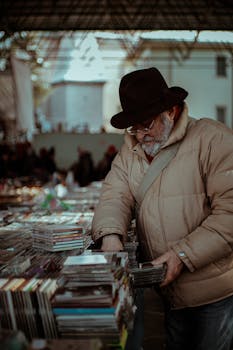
<point x="132" y="130"/>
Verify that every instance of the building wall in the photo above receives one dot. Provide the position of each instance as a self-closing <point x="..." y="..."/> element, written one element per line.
<point x="206" y="89"/>
<point x="57" y="105"/>
<point x="191" y="67"/>
<point x="84" y="105"/>
<point x="194" y="70"/>
<point x="75" y="105"/>
<point x="111" y="101"/>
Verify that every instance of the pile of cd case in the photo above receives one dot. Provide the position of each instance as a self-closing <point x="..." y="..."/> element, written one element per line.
<point x="25" y="305"/>
<point x="147" y="274"/>
<point x="94" y="298"/>
<point x="61" y="237"/>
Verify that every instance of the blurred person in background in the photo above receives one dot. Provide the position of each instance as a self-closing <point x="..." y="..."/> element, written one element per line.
<point x="51" y="162"/>
<point x="105" y="163"/>
<point x="83" y="169"/>
<point x="29" y="160"/>
<point x="4" y="161"/>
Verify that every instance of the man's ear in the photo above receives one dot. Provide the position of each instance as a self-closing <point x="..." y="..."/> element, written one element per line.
<point x="174" y="112"/>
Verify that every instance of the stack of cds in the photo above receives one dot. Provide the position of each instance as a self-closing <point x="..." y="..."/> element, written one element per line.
<point x="131" y="249"/>
<point x="63" y="217"/>
<point x="25" y="305"/>
<point x="14" y="243"/>
<point x="94" y="297"/>
<point x="56" y="238"/>
<point x="148" y="274"/>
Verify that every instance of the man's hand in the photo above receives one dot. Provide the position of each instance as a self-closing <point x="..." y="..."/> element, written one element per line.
<point x="174" y="266"/>
<point x="111" y="243"/>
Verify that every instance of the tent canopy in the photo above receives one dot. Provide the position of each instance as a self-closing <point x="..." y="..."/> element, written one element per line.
<point x="116" y="15"/>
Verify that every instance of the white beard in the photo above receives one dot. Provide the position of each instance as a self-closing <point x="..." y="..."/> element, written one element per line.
<point x="151" y="150"/>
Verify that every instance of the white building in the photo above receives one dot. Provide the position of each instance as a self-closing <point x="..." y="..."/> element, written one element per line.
<point x="205" y="70"/>
<point x="88" y="93"/>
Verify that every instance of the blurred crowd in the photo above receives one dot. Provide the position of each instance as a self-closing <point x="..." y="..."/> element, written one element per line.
<point x="22" y="161"/>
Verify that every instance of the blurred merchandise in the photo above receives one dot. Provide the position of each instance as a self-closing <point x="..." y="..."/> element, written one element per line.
<point x="13" y="340"/>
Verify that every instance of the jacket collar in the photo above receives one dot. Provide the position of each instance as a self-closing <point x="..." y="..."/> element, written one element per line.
<point x="179" y="130"/>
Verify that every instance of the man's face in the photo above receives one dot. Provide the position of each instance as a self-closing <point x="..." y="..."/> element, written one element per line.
<point x="153" y="138"/>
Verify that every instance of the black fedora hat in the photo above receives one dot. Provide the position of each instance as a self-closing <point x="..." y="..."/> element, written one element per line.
<point x="143" y="94"/>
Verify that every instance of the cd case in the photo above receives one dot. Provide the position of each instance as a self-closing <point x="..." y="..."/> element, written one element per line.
<point x="147" y="274"/>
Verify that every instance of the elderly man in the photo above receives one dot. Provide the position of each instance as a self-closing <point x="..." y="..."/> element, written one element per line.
<point x="184" y="217"/>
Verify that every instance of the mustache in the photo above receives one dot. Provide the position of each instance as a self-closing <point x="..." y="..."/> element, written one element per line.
<point x="148" y="138"/>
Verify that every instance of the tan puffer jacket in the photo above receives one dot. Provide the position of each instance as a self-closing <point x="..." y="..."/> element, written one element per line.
<point x="189" y="208"/>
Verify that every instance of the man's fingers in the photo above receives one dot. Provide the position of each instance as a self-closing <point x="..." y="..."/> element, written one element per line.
<point x="159" y="260"/>
<point x="174" y="266"/>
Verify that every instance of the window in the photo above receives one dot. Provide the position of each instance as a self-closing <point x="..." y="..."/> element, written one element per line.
<point x="221" y="113"/>
<point x="221" y="66"/>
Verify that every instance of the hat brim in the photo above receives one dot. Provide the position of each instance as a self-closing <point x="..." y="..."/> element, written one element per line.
<point x="172" y="97"/>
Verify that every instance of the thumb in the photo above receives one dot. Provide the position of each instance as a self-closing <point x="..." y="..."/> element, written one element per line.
<point x="160" y="260"/>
